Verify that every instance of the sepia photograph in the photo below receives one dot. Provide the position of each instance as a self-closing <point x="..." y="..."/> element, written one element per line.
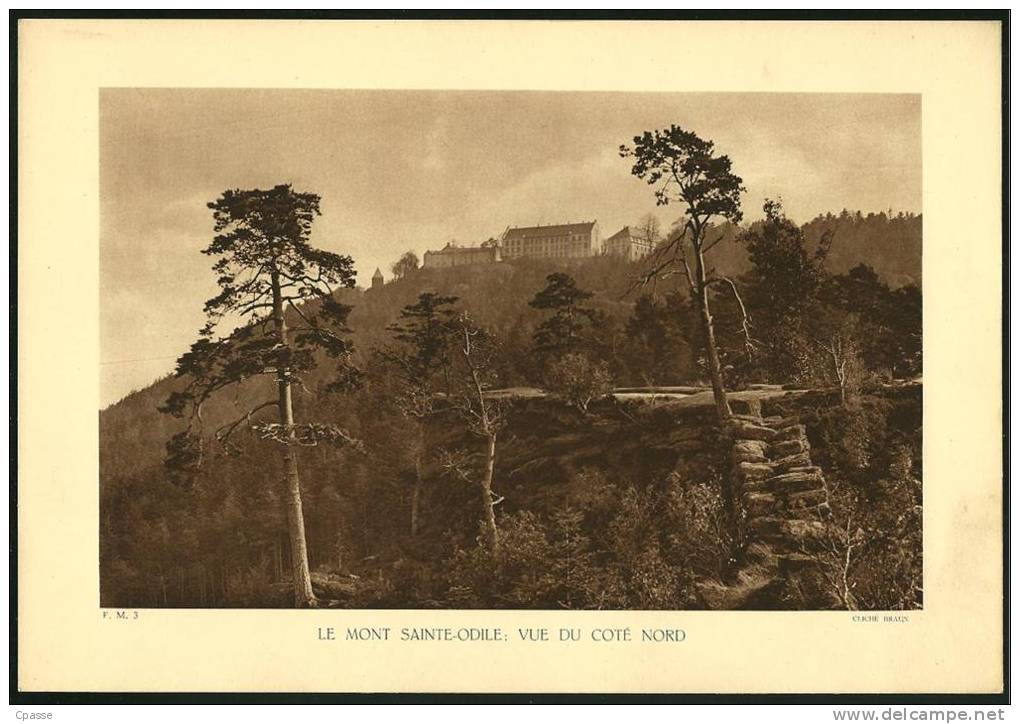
<point x="395" y="349"/>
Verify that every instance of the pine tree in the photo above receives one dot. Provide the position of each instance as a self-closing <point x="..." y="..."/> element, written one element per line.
<point x="281" y="289"/>
<point x="684" y="169"/>
<point x="422" y="353"/>
<point x="784" y="284"/>
<point x="564" y="330"/>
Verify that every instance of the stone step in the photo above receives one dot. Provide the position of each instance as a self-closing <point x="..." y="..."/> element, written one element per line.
<point x="759" y="504"/>
<point x="801" y="511"/>
<point x="803" y="470"/>
<point x="820" y="512"/>
<point x="805" y="498"/>
<point x="755" y="419"/>
<point x="751" y="446"/>
<point x="743" y="430"/>
<point x="788" y="529"/>
<point x="750" y="408"/>
<point x="788" y="447"/>
<point x="791" y="432"/>
<point x="801" y="504"/>
<point x="740" y="456"/>
<point x="795" y="482"/>
<point x="755" y="486"/>
<point x="790" y="462"/>
<point x="747" y="472"/>
<point x="749" y="451"/>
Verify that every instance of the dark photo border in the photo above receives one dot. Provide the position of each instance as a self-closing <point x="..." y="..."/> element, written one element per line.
<point x="17" y="696"/>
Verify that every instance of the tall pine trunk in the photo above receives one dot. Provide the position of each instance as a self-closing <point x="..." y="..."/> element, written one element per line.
<point x="301" y="575"/>
<point x="488" y="509"/>
<point x="722" y="405"/>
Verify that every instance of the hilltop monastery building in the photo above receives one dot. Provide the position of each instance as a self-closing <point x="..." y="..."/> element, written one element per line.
<point x="542" y="242"/>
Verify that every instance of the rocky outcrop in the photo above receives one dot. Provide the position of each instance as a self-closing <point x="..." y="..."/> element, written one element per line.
<point x="782" y="511"/>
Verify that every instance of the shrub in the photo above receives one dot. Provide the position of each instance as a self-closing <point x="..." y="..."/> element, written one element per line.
<point x="578" y="380"/>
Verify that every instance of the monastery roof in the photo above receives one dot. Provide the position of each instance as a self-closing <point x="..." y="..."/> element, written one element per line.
<point x="531" y="232"/>
<point x="623" y="233"/>
<point x="626" y="233"/>
<point x="452" y="249"/>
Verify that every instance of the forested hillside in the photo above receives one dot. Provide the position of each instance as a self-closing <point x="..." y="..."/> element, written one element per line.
<point x="600" y="502"/>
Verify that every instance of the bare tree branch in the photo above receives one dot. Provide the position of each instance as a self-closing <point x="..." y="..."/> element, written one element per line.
<point x="255" y="305"/>
<point x="749" y="342"/>
<point x="223" y="433"/>
<point x="708" y="247"/>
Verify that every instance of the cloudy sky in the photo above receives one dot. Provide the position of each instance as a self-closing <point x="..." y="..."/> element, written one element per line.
<point x="402" y="170"/>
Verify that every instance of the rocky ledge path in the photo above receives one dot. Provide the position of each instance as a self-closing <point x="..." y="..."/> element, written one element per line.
<point x="783" y="514"/>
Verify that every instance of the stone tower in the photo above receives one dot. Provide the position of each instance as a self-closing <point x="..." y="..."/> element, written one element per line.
<point x="377" y="279"/>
